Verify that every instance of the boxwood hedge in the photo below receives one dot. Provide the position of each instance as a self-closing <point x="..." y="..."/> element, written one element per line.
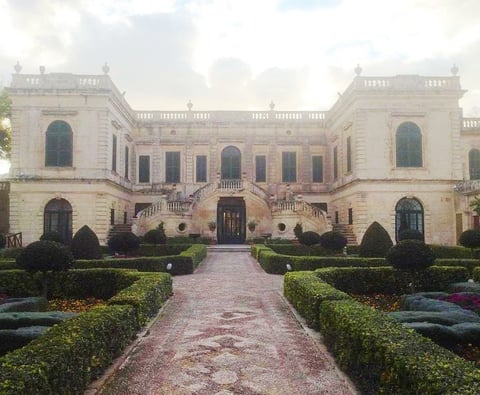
<point x="71" y="354"/>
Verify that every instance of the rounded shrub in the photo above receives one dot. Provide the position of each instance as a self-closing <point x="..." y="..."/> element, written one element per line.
<point x="470" y="238"/>
<point x="44" y="256"/>
<point x="156" y="236"/>
<point x="410" y="234"/>
<point x="410" y="255"/>
<point x="375" y="242"/>
<point x="3" y="241"/>
<point x="333" y="241"/>
<point x="309" y="238"/>
<point x="53" y="236"/>
<point x="124" y="242"/>
<point x="85" y="244"/>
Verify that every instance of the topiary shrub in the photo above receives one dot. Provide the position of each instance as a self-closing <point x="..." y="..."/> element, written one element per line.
<point x="53" y="236"/>
<point x="298" y="230"/>
<point x="410" y="256"/>
<point x="3" y="241"/>
<point x="124" y="242"/>
<point x="470" y="238"/>
<point x="44" y="256"/>
<point x="333" y="241"/>
<point x="309" y="238"/>
<point x="85" y="244"/>
<point x="375" y="242"/>
<point x="410" y="234"/>
<point x="156" y="236"/>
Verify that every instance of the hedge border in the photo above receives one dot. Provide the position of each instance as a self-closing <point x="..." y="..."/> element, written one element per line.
<point x="379" y="354"/>
<point x="76" y="351"/>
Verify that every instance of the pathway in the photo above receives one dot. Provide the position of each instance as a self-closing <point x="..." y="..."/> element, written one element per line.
<point x="227" y="330"/>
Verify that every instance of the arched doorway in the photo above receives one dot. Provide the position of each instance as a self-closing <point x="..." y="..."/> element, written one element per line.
<point x="408" y="215"/>
<point x="58" y="218"/>
<point x="231" y="163"/>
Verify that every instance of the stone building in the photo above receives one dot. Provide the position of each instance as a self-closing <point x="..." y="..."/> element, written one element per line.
<point x="396" y="150"/>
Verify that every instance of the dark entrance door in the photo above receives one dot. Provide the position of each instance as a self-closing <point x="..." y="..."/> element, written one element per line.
<point x="231" y="221"/>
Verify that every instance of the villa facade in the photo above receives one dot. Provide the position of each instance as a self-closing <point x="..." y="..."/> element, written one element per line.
<point x="396" y="150"/>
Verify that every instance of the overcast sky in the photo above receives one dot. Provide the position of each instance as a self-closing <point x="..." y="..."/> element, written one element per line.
<point x="241" y="54"/>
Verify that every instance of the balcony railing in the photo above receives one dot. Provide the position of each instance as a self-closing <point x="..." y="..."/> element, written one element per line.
<point x="467" y="187"/>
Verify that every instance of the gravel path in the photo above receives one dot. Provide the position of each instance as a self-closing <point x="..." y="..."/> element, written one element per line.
<point x="227" y="330"/>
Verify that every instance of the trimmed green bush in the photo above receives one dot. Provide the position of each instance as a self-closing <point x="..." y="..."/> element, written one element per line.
<point x="469" y="264"/>
<point x="375" y="242"/>
<point x="383" y="357"/>
<point x="298" y="230"/>
<point x="411" y="256"/>
<point x="309" y="238"/>
<point x="124" y="243"/>
<point x="85" y="244"/>
<point x="11" y="252"/>
<point x="470" y="238"/>
<point x="305" y="291"/>
<point x="410" y="234"/>
<point x="300" y="250"/>
<point x="387" y="280"/>
<point x="11" y="339"/>
<point x="161" y="249"/>
<point x="155" y="236"/>
<point x="44" y="256"/>
<point x="53" y="236"/>
<point x="333" y="241"/>
<point x="447" y="252"/>
<point x="188" y="240"/>
<point x="8" y="264"/>
<point x="28" y="318"/>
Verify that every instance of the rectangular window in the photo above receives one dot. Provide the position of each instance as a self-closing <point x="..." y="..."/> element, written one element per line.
<point x="349" y="154"/>
<point x="335" y="163"/>
<point x="260" y="168"/>
<point x="114" y="153"/>
<point x="201" y="168"/>
<point x="172" y="166"/>
<point x="336" y="217"/>
<point x="126" y="163"/>
<point x="144" y="168"/>
<point x="289" y="166"/>
<point x="317" y="168"/>
<point x="350" y="216"/>
<point x="112" y="216"/>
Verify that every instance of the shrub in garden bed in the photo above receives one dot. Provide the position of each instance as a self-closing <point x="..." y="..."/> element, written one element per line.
<point x="388" y="280"/>
<point x="188" y="240"/>
<point x="11" y="252"/>
<point x="449" y="252"/>
<point x="8" y="264"/>
<point x="382" y="356"/>
<point x="161" y="249"/>
<point x="84" y="345"/>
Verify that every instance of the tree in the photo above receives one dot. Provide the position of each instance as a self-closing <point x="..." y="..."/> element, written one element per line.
<point x="333" y="241"/>
<point x="85" y="244"/>
<point x="309" y="238"/>
<point x="375" y="242"/>
<point x="470" y="239"/>
<point x="45" y="256"/>
<point x="298" y="230"/>
<point x="5" y="113"/>
<point x="156" y="236"/>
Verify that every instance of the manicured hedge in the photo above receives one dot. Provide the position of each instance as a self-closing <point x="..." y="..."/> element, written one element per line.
<point x="305" y="291"/>
<point x="161" y="249"/>
<point x="8" y="264"/>
<point x="299" y="250"/>
<point x="74" y="352"/>
<point x="450" y="252"/>
<point x="185" y="263"/>
<point x="469" y="264"/>
<point x="11" y="253"/>
<point x="274" y="263"/>
<point x="476" y="274"/>
<point x="383" y="357"/>
<point x="390" y="281"/>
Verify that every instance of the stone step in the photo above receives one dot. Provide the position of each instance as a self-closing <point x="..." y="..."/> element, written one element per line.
<point x="229" y="248"/>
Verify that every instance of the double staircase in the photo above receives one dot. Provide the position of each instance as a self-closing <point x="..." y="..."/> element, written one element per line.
<point x="347" y="231"/>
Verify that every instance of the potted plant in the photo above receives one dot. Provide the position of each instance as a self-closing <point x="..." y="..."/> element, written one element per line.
<point x="212" y="225"/>
<point x="251" y="226"/>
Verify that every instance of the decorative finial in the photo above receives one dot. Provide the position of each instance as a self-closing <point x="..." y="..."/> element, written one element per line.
<point x="454" y="69"/>
<point x="272" y="105"/>
<point x="358" y="70"/>
<point x="189" y="105"/>
<point x="106" y="68"/>
<point x="42" y="70"/>
<point x="17" y="67"/>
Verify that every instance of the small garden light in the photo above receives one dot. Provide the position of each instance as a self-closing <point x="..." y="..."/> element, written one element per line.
<point x="289" y="267"/>
<point x="169" y="266"/>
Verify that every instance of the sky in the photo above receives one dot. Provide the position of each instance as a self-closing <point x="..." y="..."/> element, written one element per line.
<point x="242" y="54"/>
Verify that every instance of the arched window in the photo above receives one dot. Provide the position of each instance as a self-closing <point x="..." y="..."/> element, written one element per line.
<point x="58" y="217"/>
<point x="408" y="215"/>
<point x="231" y="163"/>
<point x="474" y="164"/>
<point x="409" y="145"/>
<point x="58" y="144"/>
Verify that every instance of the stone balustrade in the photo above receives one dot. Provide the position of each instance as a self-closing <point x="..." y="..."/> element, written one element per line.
<point x="285" y="206"/>
<point x="471" y="124"/>
<point x="467" y="187"/>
